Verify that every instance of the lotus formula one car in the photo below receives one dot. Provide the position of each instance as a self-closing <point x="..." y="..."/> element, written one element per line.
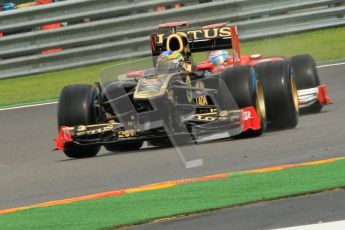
<point x="172" y="103"/>
<point x="177" y="102"/>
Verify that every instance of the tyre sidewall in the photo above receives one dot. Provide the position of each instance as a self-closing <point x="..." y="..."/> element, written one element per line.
<point x="76" y="107"/>
<point x="242" y="82"/>
<point x="276" y="78"/>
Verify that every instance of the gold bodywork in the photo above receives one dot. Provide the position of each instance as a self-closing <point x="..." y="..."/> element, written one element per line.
<point x="85" y="130"/>
<point x="202" y="100"/>
<point x="189" y="92"/>
<point x="207" y="33"/>
<point x="294" y="93"/>
<point x="179" y="39"/>
<point x="150" y="94"/>
<point x="260" y="101"/>
<point x="126" y="133"/>
<point x="215" y="115"/>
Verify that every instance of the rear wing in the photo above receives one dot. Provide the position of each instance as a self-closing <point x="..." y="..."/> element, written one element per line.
<point x="207" y="38"/>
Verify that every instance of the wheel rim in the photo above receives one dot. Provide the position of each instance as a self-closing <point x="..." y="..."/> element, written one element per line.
<point x="294" y="93"/>
<point x="260" y="101"/>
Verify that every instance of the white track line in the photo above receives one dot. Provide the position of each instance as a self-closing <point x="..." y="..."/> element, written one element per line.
<point x="55" y="102"/>
<point x="337" y="225"/>
<point x="28" y="106"/>
<point x="330" y="65"/>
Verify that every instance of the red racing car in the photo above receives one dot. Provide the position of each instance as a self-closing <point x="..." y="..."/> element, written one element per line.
<point x="312" y="96"/>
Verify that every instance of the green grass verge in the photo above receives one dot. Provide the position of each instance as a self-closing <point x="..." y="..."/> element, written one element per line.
<point x="146" y="206"/>
<point x="44" y="86"/>
<point x="323" y="45"/>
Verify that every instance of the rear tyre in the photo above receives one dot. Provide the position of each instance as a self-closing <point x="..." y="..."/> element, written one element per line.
<point x="307" y="77"/>
<point x="281" y="96"/>
<point x="247" y="91"/>
<point x="76" y="107"/>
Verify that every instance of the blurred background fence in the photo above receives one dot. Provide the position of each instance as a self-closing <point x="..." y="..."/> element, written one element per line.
<point x="74" y="33"/>
<point x="16" y="2"/>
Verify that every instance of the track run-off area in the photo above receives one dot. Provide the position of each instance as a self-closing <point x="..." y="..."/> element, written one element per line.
<point x="31" y="173"/>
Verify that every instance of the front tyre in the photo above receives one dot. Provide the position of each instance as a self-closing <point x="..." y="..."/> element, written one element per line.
<point x="307" y="77"/>
<point x="247" y="91"/>
<point x="76" y="107"/>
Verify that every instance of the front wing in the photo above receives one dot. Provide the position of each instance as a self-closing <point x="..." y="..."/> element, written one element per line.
<point x="307" y="97"/>
<point x="246" y="119"/>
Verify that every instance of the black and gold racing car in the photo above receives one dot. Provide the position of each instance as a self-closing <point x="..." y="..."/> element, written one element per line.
<point x="135" y="103"/>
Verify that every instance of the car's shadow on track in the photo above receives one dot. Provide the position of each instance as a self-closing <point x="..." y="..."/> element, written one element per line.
<point x="142" y="150"/>
<point x="157" y="149"/>
<point x="314" y="114"/>
<point x="108" y="154"/>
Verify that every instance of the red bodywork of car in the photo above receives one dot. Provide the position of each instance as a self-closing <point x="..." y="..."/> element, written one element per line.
<point x="322" y="95"/>
<point x="252" y="60"/>
<point x="63" y="137"/>
<point x="237" y="59"/>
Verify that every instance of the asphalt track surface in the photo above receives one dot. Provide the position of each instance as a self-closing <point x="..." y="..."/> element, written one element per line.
<point x="305" y="210"/>
<point x="30" y="173"/>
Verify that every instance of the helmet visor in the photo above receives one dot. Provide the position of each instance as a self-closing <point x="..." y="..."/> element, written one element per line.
<point x="220" y="60"/>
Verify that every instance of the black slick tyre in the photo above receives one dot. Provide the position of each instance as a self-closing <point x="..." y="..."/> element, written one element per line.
<point x="76" y="107"/>
<point x="247" y="91"/>
<point x="307" y="77"/>
<point x="280" y="94"/>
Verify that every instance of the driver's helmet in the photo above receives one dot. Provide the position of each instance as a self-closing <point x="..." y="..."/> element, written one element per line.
<point x="170" y="61"/>
<point x="7" y="6"/>
<point x="218" y="57"/>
